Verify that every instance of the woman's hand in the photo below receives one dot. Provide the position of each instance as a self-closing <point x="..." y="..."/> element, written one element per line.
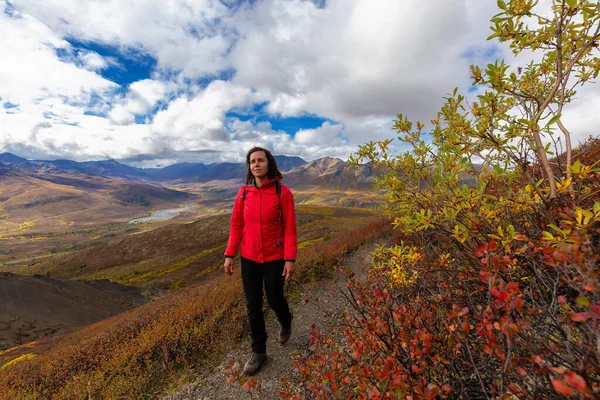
<point x="228" y="266"/>
<point x="288" y="269"/>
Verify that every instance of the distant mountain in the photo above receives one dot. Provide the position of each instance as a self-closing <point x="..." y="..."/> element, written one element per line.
<point x="331" y="173"/>
<point x="182" y="171"/>
<point x="107" y="168"/>
<point x="198" y="172"/>
<point x="20" y="163"/>
<point x="147" y="195"/>
<point x="6" y="169"/>
<point x="62" y="201"/>
<point x="11" y="158"/>
<point x="327" y="171"/>
<point x="285" y="163"/>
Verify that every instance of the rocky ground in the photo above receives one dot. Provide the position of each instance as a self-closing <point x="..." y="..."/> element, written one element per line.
<point x="320" y="306"/>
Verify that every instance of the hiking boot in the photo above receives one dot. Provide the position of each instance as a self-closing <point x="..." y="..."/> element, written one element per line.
<point x="254" y="363"/>
<point x="285" y="333"/>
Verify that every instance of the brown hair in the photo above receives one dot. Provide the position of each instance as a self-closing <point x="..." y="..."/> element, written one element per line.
<point x="272" y="172"/>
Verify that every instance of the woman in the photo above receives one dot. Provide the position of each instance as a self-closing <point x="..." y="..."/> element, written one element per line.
<point x="264" y="221"/>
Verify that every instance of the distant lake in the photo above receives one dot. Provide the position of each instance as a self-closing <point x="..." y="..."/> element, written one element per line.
<point x="162" y="214"/>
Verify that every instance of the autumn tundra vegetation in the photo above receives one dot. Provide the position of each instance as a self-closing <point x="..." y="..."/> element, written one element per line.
<point x="138" y="353"/>
<point x="493" y="290"/>
<point x="490" y="289"/>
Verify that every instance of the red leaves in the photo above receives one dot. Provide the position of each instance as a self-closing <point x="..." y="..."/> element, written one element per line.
<point x="501" y="295"/>
<point x="466" y="327"/>
<point x="575" y="380"/>
<point x="484" y="276"/>
<point x="562" y="388"/>
<point x="580" y="317"/>
<point x="485" y="248"/>
<point x="430" y="334"/>
<point x="480" y="251"/>
<point x="519" y="303"/>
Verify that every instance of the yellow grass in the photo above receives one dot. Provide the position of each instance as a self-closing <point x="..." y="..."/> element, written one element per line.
<point x="24" y="357"/>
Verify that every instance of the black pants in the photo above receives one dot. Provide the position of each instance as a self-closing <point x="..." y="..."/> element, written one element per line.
<point x="253" y="275"/>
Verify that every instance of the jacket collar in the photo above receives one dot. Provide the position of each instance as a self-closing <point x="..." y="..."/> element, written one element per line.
<point x="252" y="182"/>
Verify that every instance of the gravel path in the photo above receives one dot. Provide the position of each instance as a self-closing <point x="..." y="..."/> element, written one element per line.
<point x="320" y="307"/>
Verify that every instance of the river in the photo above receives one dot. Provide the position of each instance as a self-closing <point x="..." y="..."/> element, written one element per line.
<point x="162" y="214"/>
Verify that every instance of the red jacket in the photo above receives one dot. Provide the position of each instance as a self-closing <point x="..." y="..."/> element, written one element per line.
<point x="255" y="223"/>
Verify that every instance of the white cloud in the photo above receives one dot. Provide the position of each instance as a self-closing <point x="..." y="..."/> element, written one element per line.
<point x="326" y="135"/>
<point x="359" y="59"/>
<point x="94" y="61"/>
<point x="31" y="70"/>
<point x="355" y="62"/>
<point x="581" y="117"/>
<point x="180" y="34"/>
<point x="199" y="123"/>
<point x="142" y="97"/>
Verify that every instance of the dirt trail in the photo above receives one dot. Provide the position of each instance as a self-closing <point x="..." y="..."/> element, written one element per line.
<point x="321" y="307"/>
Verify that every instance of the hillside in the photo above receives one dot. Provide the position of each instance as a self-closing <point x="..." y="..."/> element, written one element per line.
<point x="57" y="202"/>
<point x="176" y="254"/>
<point x="142" y="351"/>
<point x="331" y="173"/>
<point x="37" y="306"/>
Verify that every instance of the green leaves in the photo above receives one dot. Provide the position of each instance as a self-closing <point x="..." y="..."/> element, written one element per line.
<point x="571" y="3"/>
<point x="553" y="120"/>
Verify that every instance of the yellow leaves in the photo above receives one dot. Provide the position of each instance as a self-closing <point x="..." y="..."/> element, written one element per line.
<point x="585" y="217"/>
<point x="563" y="186"/>
<point x="508" y="236"/>
<point x="582" y="220"/>
<point x="460" y="232"/>
<point x="583" y="171"/>
<point x="529" y="189"/>
<point x="400" y="261"/>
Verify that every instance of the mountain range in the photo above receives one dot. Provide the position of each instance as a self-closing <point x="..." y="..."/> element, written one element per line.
<point x="57" y="196"/>
<point x="184" y="172"/>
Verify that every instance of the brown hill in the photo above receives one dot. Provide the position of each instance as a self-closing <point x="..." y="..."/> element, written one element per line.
<point x="331" y="173"/>
<point x="36" y="306"/>
<point x="31" y="203"/>
<point x="162" y="256"/>
<point x="176" y="254"/>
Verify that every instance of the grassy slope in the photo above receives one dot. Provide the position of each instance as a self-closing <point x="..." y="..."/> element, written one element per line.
<point x="132" y="354"/>
<point x="178" y="255"/>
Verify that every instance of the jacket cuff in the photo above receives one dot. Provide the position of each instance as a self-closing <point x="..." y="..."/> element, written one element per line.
<point x="226" y="256"/>
<point x="290" y="260"/>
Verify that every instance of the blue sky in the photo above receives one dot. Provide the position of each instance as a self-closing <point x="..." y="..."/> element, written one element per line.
<point x="154" y="83"/>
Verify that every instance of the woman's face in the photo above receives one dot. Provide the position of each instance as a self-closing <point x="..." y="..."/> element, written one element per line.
<point x="259" y="164"/>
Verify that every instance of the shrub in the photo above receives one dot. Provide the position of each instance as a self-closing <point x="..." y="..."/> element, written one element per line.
<point x="494" y="291"/>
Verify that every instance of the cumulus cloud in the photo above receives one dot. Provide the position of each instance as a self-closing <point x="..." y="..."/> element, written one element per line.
<point x="327" y="134"/>
<point x="181" y="34"/>
<point x="94" y="61"/>
<point x="142" y="97"/>
<point x="30" y="69"/>
<point x="362" y="59"/>
<point x="198" y="123"/>
<point x="355" y="63"/>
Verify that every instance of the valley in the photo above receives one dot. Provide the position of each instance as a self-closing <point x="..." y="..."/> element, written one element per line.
<point x="80" y="242"/>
